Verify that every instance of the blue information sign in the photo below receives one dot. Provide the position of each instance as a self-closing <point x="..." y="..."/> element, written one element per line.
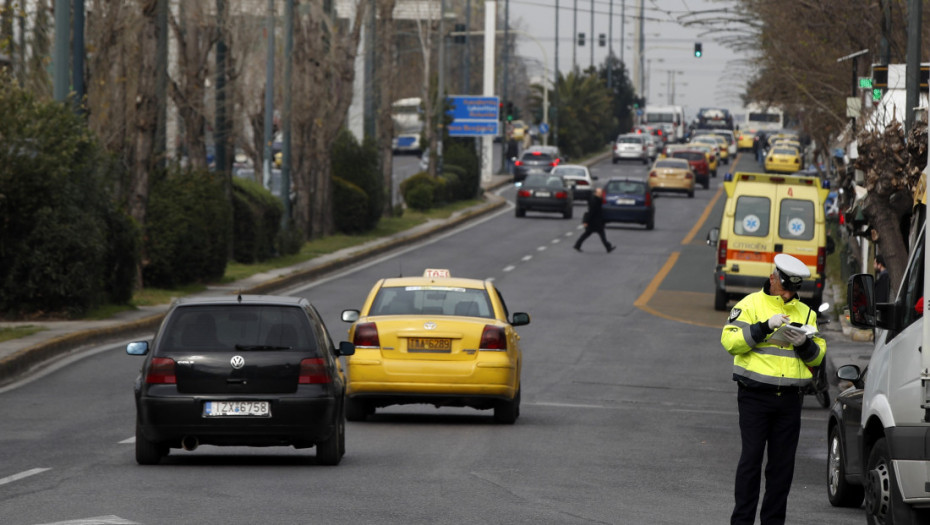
<point x="544" y="128"/>
<point x="473" y="115"/>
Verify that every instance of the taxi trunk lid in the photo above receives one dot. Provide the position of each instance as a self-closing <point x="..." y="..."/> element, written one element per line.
<point x="430" y="340"/>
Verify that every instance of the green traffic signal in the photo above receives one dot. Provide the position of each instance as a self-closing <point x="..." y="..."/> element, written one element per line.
<point x="698" y="50"/>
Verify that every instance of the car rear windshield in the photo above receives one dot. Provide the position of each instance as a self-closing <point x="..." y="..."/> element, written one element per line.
<point x="752" y="216"/>
<point x="537" y="156"/>
<point x="796" y="220"/>
<point x="221" y="328"/>
<point x="672" y="163"/>
<point x="432" y="300"/>
<point x="578" y="172"/>
<point x="626" y="187"/>
<point x="630" y="140"/>
<point x="785" y="151"/>
<point x="688" y="155"/>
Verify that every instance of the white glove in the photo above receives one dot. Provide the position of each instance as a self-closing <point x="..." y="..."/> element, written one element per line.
<point x="796" y="337"/>
<point x="777" y="320"/>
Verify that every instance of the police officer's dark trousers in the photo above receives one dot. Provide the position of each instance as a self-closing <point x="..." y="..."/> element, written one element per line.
<point x="767" y="418"/>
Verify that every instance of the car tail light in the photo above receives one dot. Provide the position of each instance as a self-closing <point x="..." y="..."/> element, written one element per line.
<point x="366" y="336"/>
<point x="821" y="260"/>
<point x="518" y="163"/>
<point x="561" y="195"/>
<point x="653" y="174"/>
<point x="581" y="183"/>
<point x="493" y="338"/>
<point x="648" y="199"/>
<point x="721" y="252"/>
<point x="537" y="153"/>
<point x="555" y="162"/>
<point x="797" y="161"/>
<point x="161" y="372"/>
<point x="313" y="372"/>
<point x="689" y="175"/>
<point x="523" y="193"/>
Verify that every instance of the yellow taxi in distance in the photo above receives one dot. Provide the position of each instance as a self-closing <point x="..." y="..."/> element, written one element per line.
<point x="673" y="175"/>
<point x="745" y="138"/>
<point x="783" y="160"/>
<point x="709" y="153"/>
<point x="436" y="340"/>
<point x="720" y="146"/>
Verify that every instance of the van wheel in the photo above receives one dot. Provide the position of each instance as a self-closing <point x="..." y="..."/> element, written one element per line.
<point x="720" y="300"/>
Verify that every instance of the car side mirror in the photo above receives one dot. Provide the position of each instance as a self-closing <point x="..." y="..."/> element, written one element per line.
<point x="713" y="236"/>
<point x="350" y="316"/>
<point x="520" y="319"/>
<point x="137" y="348"/>
<point x="346" y="348"/>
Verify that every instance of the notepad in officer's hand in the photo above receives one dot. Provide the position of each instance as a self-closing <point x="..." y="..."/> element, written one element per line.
<point x="780" y="336"/>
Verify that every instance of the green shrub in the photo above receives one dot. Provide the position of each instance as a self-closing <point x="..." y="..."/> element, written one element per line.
<point x="290" y="239"/>
<point x="350" y="204"/>
<point x="64" y="245"/>
<point x="422" y="192"/>
<point x="452" y="177"/>
<point x="462" y="153"/>
<point x="187" y="229"/>
<point x="256" y="221"/>
<point x="358" y="164"/>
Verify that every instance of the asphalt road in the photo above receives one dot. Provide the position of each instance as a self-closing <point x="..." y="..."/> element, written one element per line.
<point x="628" y="416"/>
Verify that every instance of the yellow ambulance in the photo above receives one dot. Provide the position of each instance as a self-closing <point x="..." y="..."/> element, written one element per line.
<point x="767" y="214"/>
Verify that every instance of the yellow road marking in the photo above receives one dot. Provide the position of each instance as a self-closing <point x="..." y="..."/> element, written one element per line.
<point x="656" y="281"/>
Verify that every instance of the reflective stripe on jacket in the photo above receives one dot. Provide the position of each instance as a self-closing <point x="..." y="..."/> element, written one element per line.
<point x="758" y="362"/>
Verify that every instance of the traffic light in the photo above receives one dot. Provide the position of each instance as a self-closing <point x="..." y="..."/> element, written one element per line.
<point x="581" y="39"/>
<point x="509" y="111"/>
<point x="698" y="51"/>
<point x="602" y="40"/>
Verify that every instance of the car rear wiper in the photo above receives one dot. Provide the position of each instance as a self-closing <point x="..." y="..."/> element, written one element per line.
<point x="261" y="347"/>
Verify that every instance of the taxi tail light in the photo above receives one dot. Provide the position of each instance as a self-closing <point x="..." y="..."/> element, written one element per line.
<point x="689" y="175"/>
<point x="722" y="252"/>
<point x="523" y="193"/>
<point x="313" y="372"/>
<point x="653" y="174"/>
<point x="821" y="260"/>
<point x="161" y="372"/>
<point x="493" y="338"/>
<point x="366" y="336"/>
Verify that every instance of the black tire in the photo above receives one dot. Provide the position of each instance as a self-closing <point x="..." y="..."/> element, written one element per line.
<point x="519" y="212"/>
<point x="651" y="223"/>
<point x="329" y="452"/>
<point x="148" y="452"/>
<point x="356" y="410"/>
<point x="720" y="300"/>
<point x="883" y="503"/>
<point x="714" y="175"/>
<point x="645" y="161"/>
<point x="691" y="194"/>
<point x="507" y="412"/>
<point x="841" y="492"/>
<point x="567" y="214"/>
<point x="706" y="183"/>
<point x="614" y="160"/>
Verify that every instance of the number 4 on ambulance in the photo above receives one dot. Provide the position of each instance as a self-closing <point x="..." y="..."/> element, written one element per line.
<point x="774" y="214"/>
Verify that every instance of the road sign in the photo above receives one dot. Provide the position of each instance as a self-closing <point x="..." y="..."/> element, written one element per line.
<point x="544" y="128"/>
<point x="473" y="116"/>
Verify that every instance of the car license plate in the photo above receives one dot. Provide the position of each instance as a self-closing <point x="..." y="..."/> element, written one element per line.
<point x="543" y="194"/>
<point x="750" y="256"/>
<point x="428" y="344"/>
<point x="236" y="408"/>
<point x="625" y="202"/>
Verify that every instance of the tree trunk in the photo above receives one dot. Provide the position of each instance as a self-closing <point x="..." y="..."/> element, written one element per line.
<point x="386" y="68"/>
<point x="146" y="114"/>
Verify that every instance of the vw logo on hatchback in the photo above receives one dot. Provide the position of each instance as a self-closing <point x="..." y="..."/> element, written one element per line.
<point x="237" y="362"/>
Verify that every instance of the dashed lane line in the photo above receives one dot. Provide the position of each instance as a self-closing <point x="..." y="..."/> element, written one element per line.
<point x="21" y="475"/>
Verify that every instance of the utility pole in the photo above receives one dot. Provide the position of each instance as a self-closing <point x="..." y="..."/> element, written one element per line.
<point x="555" y="82"/>
<point x="504" y="138"/>
<point x="77" y="73"/>
<point x="159" y="149"/>
<point x="219" y="137"/>
<point x="286" y="146"/>
<point x="575" y="36"/>
<point x="62" y="39"/>
<point x="466" y="79"/>
<point x="441" y="95"/>
<point x="487" y="141"/>
<point x="610" y="46"/>
<point x="269" y="99"/>
<point x="591" y="38"/>
<point x="912" y="84"/>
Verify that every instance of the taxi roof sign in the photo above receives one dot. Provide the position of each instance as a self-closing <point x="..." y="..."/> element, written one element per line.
<point x="437" y="272"/>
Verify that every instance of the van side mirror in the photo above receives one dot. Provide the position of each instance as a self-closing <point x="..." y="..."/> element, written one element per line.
<point x="713" y="236"/>
<point x="861" y="296"/>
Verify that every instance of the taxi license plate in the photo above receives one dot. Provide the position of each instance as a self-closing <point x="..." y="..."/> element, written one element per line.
<point x="428" y="344"/>
<point x="236" y="409"/>
<point x="543" y="194"/>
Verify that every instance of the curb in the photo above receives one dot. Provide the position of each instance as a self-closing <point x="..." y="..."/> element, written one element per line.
<point x="28" y="359"/>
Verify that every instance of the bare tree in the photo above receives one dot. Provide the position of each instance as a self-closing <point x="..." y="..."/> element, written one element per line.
<point x="146" y="112"/>
<point x="386" y="72"/>
<point x="323" y="74"/>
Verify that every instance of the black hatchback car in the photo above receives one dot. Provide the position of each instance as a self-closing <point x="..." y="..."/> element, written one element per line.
<point x="545" y="192"/>
<point x="240" y="371"/>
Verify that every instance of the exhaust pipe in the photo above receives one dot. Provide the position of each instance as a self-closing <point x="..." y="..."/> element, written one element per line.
<point x="190" y="443"/>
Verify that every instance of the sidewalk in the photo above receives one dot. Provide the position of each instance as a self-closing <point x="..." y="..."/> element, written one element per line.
<point x="23" y="356"/>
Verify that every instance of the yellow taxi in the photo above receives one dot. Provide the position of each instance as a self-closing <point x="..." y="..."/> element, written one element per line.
<point x="719" y="145"/>
<point x="673" y="175"/>
<point x="436" y="340"/>
<point x="783" y="159"/>
<point x="745" y="138"/>
<point x="709" y="153"/>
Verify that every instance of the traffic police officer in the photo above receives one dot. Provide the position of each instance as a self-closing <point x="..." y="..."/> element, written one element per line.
<point x="770" y="377"/>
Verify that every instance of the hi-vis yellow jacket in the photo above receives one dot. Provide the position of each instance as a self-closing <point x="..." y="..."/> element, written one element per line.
<point x="760" y="363"/>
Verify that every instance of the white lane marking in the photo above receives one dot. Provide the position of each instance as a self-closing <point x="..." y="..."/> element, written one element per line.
<point x="541" y="249"/>
<point x="569" y="234"/>
<point x="128" y="441"/>
<point x="490" y="279"/>
<point x="509" y="268"/>
<point x="556" y="241"/>
<point x="21" y="475"/>
<point x="526" y="258"/>
<point x="565" y="405"/>
<point x="99" y="520"/>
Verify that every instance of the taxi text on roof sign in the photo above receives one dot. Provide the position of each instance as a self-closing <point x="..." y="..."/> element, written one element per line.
<point x="437" y="272"/>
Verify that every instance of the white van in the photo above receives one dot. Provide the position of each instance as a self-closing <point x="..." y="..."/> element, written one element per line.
<point x="888" y="454"/>
<point x="671" y="118"/>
